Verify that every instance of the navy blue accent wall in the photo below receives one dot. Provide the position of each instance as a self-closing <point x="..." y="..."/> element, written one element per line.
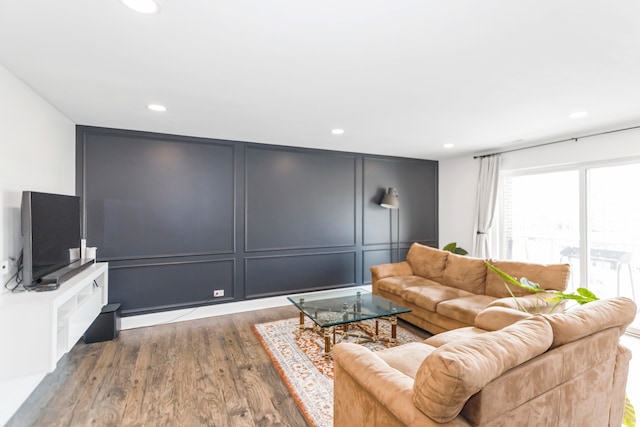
<point x="178" y="217"/>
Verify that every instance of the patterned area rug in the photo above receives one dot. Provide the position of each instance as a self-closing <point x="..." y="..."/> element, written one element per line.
<point x="299" y="357"/>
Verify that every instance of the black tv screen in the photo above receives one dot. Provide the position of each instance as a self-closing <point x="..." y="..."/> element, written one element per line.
<point x="50" y="228"/>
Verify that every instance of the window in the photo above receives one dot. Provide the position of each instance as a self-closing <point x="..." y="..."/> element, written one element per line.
<point x="587" y="216"/>
<point x="541" y="216"/>
<point x="613" y="232"/>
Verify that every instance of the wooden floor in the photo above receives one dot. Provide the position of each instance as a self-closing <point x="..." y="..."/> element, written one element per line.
<point x="208" y="372"/>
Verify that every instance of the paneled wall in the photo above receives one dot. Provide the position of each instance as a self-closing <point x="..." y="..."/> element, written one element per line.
<point x="179" y="217"/>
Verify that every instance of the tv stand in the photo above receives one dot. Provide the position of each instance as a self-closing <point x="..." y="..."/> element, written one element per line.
<point x="38" y="328"/>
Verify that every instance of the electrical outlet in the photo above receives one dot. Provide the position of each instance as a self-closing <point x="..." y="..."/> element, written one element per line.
<point x="4" y="267"/>
<point x="218" y="293"/>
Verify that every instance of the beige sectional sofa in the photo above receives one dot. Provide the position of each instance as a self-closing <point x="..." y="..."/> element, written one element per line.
<point x="508" y="369"/>
<point x="446" y="291"/>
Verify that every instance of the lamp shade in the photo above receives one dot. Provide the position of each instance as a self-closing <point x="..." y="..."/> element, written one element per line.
<point x="391" y="199"/>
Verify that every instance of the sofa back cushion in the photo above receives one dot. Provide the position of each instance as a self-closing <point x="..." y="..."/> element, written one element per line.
<point x="552" y="276"/>
<point x="465" y="273"/>
<point x="495" y="318"/>
<point x="454" y="372"/>
<point x="427" y="262"/>
<point x="590" y="318"/>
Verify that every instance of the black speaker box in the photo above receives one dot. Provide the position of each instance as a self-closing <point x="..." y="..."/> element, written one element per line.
<point x="106" y="326"/>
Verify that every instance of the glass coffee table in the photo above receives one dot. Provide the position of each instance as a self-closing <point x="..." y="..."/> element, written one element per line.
<point x="340" y="312"/>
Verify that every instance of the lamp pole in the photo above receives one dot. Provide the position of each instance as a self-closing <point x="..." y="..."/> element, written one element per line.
<point x="391" y="200"/>
<point x="398" y="237"/>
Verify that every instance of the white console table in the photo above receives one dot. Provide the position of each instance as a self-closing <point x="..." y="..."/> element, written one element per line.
<point x="38" y="328"/>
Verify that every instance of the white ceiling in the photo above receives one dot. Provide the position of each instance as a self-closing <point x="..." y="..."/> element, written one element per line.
<point x="401" y="77"/>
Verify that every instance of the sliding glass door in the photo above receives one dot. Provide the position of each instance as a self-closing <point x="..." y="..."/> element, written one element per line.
<point x="587" y="216"/>
<point x="613" y="232"/>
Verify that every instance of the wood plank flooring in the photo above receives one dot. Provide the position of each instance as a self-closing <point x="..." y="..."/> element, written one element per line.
<point x="207" y="372"/>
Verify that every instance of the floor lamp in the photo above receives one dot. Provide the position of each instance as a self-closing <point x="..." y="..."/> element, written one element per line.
<point x="391" y="200"/>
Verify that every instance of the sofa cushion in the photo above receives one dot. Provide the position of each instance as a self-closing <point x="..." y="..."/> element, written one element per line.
<point x="495" y="318"/>
<point x="396" y="285"/>
<point x="590" y="318"/>
<point x="454" y="335"/>
<point x="406" y="358"/>
<point x="532" y="303"/>
<point x="427" y="262"/>
<point x="554" y="276"/>
<point x="451" y="374"/>
<point x="465" y="273"/>
<point x="429" y="297"/>
<point x="464" y="309"/>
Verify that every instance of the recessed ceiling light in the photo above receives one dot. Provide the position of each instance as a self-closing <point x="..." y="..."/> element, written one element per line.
<point x="448" y="145"/>
<point x="148" y="7"/>
<point x="337" y="131"/>
<point x="156" y="107"/>
<point x="578" y="114"/>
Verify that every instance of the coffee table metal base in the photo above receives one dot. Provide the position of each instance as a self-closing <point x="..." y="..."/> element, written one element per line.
<point x="347" y="330"/>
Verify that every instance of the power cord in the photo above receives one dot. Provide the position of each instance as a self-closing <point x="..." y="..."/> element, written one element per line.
<point x="14" y="288"/>
<point x="187" y="313"/>
<point x="17" y="275"/>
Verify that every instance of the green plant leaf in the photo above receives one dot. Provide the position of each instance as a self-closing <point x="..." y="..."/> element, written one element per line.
<point x="629" y="416"/>
<point x="527" y="284"/>
<point x="587" y="293"/>
<point x="460" y="251"/>
<point x="580" y="299"/>
<point x="450" y="247"/>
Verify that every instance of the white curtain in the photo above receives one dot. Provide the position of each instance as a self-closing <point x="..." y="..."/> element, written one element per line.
<point x="485" y="204"/>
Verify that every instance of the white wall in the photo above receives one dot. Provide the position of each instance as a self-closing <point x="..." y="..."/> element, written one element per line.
<point x="37" y="152"/>
<point x="458" y="177"/>
<point x="457" y="182"/>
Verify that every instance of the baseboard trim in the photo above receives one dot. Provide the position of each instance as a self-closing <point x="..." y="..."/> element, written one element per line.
<point x="153" y="319"/>
<point x="183" y="315"/>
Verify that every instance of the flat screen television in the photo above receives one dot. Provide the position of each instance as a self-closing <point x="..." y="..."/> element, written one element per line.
<point x="51" y="234"/>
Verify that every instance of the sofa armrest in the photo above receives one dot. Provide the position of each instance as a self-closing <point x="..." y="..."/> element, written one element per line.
<point x="620" y="375"/>
<point x="534" y="303"/>
<point x="388" y="270"/>
<point x="367" y="391"/>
